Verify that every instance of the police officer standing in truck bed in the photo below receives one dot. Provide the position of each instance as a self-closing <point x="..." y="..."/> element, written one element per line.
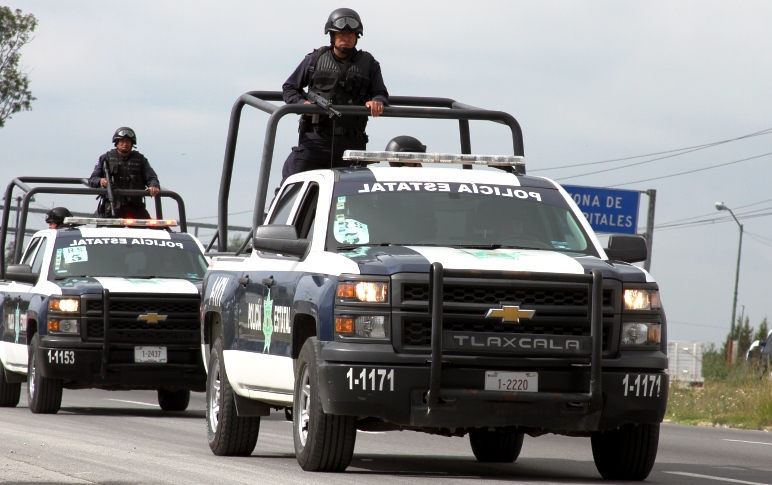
<point x="345" y="76"/>
<point x="129" y="169"/>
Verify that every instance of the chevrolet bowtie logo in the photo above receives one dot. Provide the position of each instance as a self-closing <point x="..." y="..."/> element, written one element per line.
<point x="152" y="318"/>
<point x="509" y="313"/>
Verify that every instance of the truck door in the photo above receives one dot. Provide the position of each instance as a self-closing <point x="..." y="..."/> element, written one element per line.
<point x="16" y="305"/>
<point x="265" y="314"/>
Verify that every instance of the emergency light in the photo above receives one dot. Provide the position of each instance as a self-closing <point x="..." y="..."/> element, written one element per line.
<point x="106" y="221"/>
<point x="439" y="158"/>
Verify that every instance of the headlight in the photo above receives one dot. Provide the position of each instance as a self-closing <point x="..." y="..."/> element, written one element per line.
<point x="639" y="299"/>
<point x="66" y="305"/>
<point x="640" y="333"/>
<point x="366" y="326"/>
<point x="364" y="291"/>
<point x="63" y="326"/>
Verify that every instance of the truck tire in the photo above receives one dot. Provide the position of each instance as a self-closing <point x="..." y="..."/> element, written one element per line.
<point x="173" y="400"/>
<point x="493" y="446"/>
<point x="44" y="395"/>
<point x="627" y="453"/>
<point x="323" y="442"/>
<point x="229" y="434"/>
<point x="10" y="393"/>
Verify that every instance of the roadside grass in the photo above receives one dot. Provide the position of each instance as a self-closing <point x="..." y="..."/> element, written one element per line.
<point x="742" y="398"/>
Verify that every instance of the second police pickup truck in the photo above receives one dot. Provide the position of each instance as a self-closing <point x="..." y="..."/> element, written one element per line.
<point x="440" y="300"/>
<point x="100" y="303"/>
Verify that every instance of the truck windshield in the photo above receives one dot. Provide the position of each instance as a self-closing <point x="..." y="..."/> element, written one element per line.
<point x="454" y="215"/>
<point x="149" y="257"/>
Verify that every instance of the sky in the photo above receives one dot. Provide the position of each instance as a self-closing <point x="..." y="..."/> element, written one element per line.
<point x="615" y="94"/>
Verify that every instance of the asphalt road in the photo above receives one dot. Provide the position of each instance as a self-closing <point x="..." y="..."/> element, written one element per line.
<point x="124" y="438"/>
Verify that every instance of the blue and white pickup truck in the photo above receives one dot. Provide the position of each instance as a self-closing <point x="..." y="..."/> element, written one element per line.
<point x="102" y="303"/>
<point x="432" y="299"/>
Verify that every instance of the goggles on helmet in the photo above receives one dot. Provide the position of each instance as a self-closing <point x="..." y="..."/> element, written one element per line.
<point x="125" y="134"/>
<point x="344" y="22"/>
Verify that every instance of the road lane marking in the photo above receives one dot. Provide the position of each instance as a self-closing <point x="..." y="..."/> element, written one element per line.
<point x="750" y="442"/>
<point x="133" y="402"/>
<point x="719" y="479"/>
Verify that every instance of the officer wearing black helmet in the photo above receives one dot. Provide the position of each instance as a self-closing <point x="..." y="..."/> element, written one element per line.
<point x="343" y="75"/>
<point x="129" y="169"/>
<point x="55" y="217"/>
<point x="405" y="143"/>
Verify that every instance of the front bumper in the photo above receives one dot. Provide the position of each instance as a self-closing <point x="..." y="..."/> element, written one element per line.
<point x="399" y="394"/>
<point x="83" y="365"/>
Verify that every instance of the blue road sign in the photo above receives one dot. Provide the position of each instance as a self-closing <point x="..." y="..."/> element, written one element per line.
<point x="607" y="210"/>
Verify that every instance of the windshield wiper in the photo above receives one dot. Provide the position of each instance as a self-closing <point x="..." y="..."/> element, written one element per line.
<point x="58" y="278"/>
<point x="354" y="246"/>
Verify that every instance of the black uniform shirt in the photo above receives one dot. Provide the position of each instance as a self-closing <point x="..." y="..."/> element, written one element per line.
<point x="148" y="174"/>
<point x="292" y="90"/>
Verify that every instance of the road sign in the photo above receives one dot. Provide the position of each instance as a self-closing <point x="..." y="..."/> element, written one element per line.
<point x="607" y="210"/>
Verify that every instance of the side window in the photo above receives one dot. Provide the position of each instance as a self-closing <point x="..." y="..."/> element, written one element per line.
<point x="284" y="204"/>
<point x="306" y="215"/>
<point x="38" y="262"/>
<point x="30" y="252"/>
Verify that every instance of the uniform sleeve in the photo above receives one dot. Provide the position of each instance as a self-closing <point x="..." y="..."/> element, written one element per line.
<point x="292" y="89"/>
<point x="151" y="179"/>
<point x="378" y="91"/>
<point x="97" y="174"/>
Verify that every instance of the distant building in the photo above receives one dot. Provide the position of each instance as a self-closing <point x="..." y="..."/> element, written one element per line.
<point x="685" y="363"/>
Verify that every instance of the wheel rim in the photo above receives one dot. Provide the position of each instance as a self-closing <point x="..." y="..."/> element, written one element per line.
<point x="214" y="399"/>
<point x="305" y="406"/>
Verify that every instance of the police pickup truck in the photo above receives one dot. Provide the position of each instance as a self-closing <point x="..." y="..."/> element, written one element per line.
<point x="441" y="300"/>
<point x="101" y="303"/>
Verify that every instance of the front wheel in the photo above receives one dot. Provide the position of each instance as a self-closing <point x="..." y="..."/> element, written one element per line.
<point x="323" y="442"/>
<point x="626" y="453"/>
<point x="229" y="434"/>
<point x="44" y="394"/>
<point x="173" y="400"/>
<point x="494" y="446"/>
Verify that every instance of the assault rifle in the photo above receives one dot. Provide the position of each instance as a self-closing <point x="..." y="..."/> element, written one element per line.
<point x="324" y="103"/>
<point x="109" y="178"/>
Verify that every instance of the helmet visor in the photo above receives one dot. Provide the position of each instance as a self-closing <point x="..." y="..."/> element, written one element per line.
<point x="344" y="22"/>
<point x="124" y="134"/>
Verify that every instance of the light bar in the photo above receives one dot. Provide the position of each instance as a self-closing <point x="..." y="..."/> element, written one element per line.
<point x="107" y="221"/>
<point x="440" y="158"/>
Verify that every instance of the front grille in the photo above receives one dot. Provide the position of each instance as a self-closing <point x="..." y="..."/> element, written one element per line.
<point x="493" y="295"/>
<point x="181" y="325"/>
<point x="561" y="308"/>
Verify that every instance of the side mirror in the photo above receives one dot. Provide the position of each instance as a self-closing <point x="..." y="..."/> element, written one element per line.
<point x="630" y="249"/>
<point x="21" y="273"/>
<point x="280" y="239"/>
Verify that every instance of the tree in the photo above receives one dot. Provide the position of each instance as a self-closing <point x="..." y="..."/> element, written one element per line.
<point x="15" y="31"/>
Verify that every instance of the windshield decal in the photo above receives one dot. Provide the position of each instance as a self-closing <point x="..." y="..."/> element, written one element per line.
<point x="125" y="241"/>
<point x="457" y="188"/>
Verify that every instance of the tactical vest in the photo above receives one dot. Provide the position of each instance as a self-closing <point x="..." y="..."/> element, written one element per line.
<point x="351" y="89"/>
<point x="127" y="173"/>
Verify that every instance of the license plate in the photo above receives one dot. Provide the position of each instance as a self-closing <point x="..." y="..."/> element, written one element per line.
<point x="150" y="354"/>
<point x="512" y="381"/>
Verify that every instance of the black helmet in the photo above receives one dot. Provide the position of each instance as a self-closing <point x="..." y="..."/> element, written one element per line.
<point x="57" y="215"/>
<point x="125" y="132"/>
<point x="344" y="20"/>
<point x="404" y="143"/>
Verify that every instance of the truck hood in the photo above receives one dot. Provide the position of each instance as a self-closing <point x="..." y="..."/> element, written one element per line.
<point x="127" y="285"/>
<point x="389" y="260"/>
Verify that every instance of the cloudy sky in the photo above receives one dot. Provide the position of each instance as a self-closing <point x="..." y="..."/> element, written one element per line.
<point x="630" y="95"/>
